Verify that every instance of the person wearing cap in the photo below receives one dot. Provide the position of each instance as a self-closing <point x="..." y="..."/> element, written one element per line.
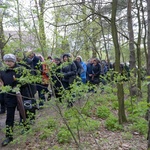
<point x="10" y="77"/>
<point x="82" y="72"/>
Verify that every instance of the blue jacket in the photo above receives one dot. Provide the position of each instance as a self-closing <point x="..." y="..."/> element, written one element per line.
<point x="83" y="74"/>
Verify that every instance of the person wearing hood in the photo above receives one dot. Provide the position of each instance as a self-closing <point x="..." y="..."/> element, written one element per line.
<point x="82" y="72"/>
<point x="68" y="71"/>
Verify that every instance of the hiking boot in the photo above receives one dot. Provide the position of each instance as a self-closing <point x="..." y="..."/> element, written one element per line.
<point x="7" y="141"/>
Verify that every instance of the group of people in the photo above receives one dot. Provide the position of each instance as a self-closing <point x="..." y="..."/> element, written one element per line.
<point x="33" y="74"/>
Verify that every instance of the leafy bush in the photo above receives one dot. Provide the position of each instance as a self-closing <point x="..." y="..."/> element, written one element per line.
<point x="45" y="134"/>
<point x="64" y="136"/>
<point x="87" y="108"/>
<point x="115" y="105"/>
<point x="91" y="125"/>
<point x="140" y="126"/>
<point x="111" y="97"/>
<point x="103" y="112"/>
<point x="83" y="122"/>
<point x="51" y="123"/>
<point x="112" y="124"/>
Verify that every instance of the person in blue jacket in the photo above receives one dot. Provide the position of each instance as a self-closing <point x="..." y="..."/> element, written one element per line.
<point x="83" y="71"/>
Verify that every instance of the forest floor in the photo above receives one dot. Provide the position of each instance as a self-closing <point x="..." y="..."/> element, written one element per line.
<point x="103" y="139"/>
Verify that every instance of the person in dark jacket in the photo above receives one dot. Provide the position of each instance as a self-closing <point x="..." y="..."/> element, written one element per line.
<point x="89" y="70"/>
<point x="36" y="64"/>
<point x="56" y="78"/>
<point x="7" y="77"/>
<point x="28" y="90"/>
<point x="69" y="72"/>
<point x="10" y="78"/>
<point x="96" y="71"/>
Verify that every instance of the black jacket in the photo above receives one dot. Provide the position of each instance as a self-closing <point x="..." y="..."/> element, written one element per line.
<point x="10" y="78"/>
<point x="69" y="72"/>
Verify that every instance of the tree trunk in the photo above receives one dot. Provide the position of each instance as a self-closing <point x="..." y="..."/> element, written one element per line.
<point x="148" y="70"/>
<point x="42" y="28"/>
<point x="41" y="34"/>
<point x="120" y="90"/>
<point x="145" y="31"/>
<point x="19" y="26"/>
<point x="131" y="49"/>
<point x="94" y="50"/>
<point x="138" y="46"/>
<point x="2" y="38"/>
<point x="86" y="50"/>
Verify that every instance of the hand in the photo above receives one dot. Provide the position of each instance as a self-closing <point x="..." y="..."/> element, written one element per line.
<point x="1" y="83"/>
<point x="14" y="77"/>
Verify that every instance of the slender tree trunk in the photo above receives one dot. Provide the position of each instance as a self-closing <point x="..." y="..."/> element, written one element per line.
<point x="94" y="50"/>
<point x="131" y="49"/>
<point x="145" y="32"/>
<point x="19" y="26"/>
<point x="2" y="38"/>
<point x="41" y="33"/>
<point x="120" y="90"/>
<point x="86" y="43"/>
<point x="105" y="44"/>
<point x="148" y="70"/>
<point x="42" y="28"/>
<point x="138" y="46"/>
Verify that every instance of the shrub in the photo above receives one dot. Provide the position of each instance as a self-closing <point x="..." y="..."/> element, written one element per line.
<point x="45" y="134"/>
<point x="103" y="112"/>
<point x="51" y="123"/>
<point x="112" y="124"/>
<point x="140" y="126"/>
<point x="115" y="105"/>
<point x="64" y="136"/>
<point x="90" y="124"/>
<point x="87" y="109"/>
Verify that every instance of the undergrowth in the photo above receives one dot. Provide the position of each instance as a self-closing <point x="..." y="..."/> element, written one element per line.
<point x="70" y="124"/>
